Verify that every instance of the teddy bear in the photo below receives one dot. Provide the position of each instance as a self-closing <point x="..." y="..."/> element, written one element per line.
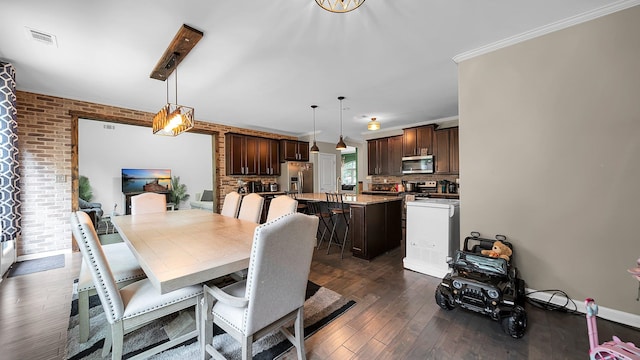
<point x="499" y="249"/>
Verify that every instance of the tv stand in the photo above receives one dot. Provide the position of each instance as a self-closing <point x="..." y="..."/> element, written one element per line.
<point x="127" y="199"/>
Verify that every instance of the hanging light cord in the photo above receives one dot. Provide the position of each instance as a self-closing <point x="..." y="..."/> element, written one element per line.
<point x="314" y="124"/>
<point x="341" y="115"/>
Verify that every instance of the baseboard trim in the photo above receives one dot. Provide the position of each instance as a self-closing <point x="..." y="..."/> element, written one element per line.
<point x="43" y="254"/>
<point x="603" y="312"/>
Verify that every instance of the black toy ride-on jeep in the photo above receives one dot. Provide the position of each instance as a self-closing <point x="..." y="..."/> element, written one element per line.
<point x="484" y="284"/>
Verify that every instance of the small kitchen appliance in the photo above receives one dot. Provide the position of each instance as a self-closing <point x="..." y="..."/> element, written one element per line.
<point x="453" y="188"/>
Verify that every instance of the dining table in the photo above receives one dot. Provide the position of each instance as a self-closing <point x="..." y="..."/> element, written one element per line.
<point x="186" y="247"/>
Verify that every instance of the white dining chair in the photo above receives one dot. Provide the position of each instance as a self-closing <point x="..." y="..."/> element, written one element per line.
<point x="134" y="305"/>
<point x="147" y="203"/>
<point x="125" y="269"/>
<point x="272" y="295"/>
<point x="251" y="208"/>
<point x="231" y="204"/>
<point x="281" y="205"/>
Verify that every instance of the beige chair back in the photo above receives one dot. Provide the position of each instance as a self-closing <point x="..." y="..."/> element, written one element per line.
<point x="281" y="205"/>
<point x="148" y="203"/>
<point x="106" y="287"/>
<point x="279" y="269"/>
<point x="231" y="204"/>
<point x="251" y="208"/>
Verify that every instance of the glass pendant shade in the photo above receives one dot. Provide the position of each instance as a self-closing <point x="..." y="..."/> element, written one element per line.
<point x="314" y="149"/>
<point x="373" y="124"/>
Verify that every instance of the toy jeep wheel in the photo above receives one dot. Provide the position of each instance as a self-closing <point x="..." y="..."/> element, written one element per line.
<point x="443" y="301"/>
<point x="516" y="323"/>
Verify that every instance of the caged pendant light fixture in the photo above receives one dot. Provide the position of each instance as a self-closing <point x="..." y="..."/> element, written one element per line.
<point x="314" y="149"/>
<point x="173" y="119"/>
<point x="341" y="145"/>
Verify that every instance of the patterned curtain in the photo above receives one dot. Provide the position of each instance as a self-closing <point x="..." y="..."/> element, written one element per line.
<point x="9" y="176"/>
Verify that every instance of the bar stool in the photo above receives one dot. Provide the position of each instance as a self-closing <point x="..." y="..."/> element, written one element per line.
<point x="338" y="211"/>
<point x="315" y="208"/>
<point x="302" y="207"/>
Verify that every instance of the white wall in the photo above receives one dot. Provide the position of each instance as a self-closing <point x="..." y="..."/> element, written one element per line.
<point x="104" y="149"/>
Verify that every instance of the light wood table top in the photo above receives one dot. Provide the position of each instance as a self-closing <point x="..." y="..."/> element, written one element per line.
<point x="186" y="247"/>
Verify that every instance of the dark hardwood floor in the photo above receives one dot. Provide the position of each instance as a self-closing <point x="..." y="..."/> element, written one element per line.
<point x="395" y="317"/>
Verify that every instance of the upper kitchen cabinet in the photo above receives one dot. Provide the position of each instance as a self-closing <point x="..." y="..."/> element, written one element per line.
<point x="241" y="154"/>
<point x="395" y="155"/>
<point x="377" y="161"/>
<point x="292" y="150"/>
<point x="385" y="156"/>
<point x="417" y="140"/>
<point x="446" y="151"/>
<point x="269" y="158"/>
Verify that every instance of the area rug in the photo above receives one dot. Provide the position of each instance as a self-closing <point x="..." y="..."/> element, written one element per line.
<point x="321" y="307"/>
<point x="36" y="265"/>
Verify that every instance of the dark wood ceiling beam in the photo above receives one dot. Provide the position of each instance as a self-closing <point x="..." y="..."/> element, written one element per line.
<point x="186" y="38"/>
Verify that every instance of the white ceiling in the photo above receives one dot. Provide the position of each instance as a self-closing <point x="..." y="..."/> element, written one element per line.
<point x="262" y="63"/>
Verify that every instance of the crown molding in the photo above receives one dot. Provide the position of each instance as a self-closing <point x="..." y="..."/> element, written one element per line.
<point x="558" y="25"/>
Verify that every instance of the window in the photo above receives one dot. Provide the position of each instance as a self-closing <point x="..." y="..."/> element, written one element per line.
<point x="349" y="169"/>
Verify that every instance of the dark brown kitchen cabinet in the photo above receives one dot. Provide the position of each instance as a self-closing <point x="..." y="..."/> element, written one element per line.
<point x="241" y="154"/>
<point x="417" y="140"/>
<point x="293" y="150"/>
<point x="375" y="228"/>
<point x="378" y="157"/>
<point x="269" y="159"/>
<point x="385" y="156"/>
<point x="446" y="151"/>
<point x="395" y="155"/>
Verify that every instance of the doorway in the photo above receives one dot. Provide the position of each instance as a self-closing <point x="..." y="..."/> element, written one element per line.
<point x="327" y="181"/>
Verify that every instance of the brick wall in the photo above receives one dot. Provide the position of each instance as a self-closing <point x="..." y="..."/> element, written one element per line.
<point x="46" y="153"/>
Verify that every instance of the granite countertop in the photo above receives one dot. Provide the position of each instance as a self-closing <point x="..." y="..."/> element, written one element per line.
<point x="359" y="199"/>
<point x="379" y="192"/>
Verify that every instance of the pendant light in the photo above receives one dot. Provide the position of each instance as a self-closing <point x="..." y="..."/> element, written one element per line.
<point x="173" y="119"/>
<point x="314" y="149"/>
<point x="341" y="145"/>
<point x="373" y="124"/>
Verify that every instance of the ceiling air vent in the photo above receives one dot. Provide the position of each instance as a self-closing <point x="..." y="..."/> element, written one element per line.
<point x="42" y="37"/>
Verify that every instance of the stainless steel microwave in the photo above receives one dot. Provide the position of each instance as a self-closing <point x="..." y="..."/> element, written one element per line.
<point x="417" y="164"/>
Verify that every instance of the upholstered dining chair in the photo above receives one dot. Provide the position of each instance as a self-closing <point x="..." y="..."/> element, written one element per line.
<point x="251" y="208"/>
<point x="231" y="204"/>
<point x="281" y="205"/>
<point x="125" y="269"/>
<point x="147" y="203"/>
<point x="134" y="305"/>
<point x="274" y="292"/>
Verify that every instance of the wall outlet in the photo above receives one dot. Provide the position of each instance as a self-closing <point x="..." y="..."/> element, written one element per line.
<point x="61" y="178"/>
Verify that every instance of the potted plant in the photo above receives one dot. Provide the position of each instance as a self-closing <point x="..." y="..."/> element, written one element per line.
<point x="84" y="188"/>
<point x="178" y="192"/>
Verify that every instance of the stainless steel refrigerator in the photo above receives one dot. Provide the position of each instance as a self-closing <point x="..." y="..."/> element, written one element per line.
<point x="296" y="177"/>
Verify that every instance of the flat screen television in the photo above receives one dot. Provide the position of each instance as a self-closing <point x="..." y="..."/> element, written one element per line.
<point x="142" y="180"/>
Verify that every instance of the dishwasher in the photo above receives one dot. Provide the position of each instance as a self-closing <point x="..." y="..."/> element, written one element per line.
<point x="433" y="234"/>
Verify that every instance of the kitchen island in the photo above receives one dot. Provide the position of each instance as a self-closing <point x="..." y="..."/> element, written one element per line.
<point x="376" y="222"/>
